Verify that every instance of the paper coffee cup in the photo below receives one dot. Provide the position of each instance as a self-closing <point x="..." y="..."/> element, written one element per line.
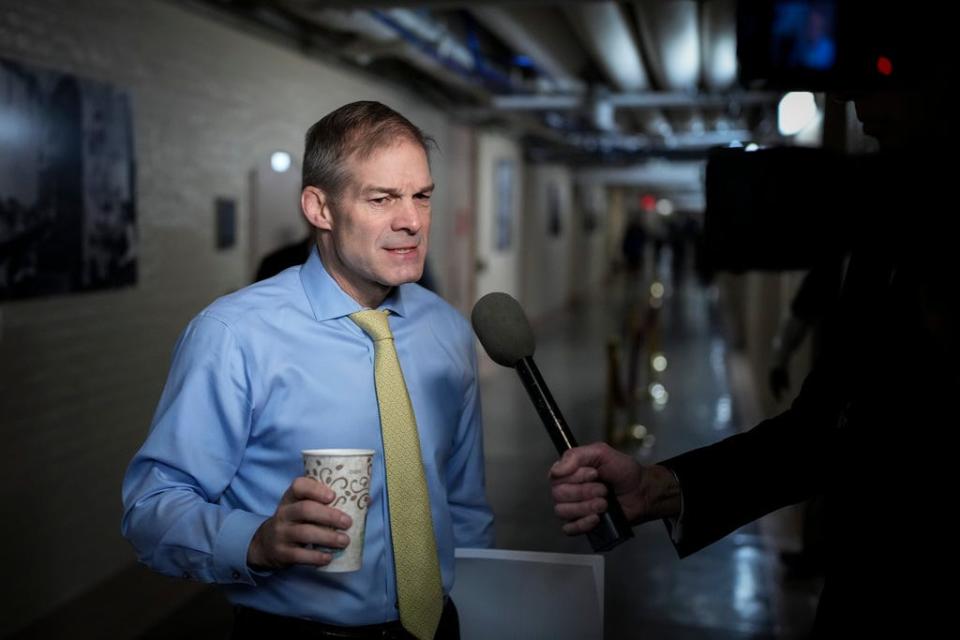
<point x="347" y="472"/>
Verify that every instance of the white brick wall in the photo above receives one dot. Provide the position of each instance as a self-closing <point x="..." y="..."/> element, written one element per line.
<point x="80" y="374"/>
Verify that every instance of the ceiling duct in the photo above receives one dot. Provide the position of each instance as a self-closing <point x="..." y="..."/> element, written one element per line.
<point x="608" y="37"/>
<point x="718" y="33"/>
<point x="539" y="35"/>
<point x="413" y="37"/>
<point x="670" y="37"/>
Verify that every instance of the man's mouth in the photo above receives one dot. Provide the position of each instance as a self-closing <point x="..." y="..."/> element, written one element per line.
<point x="401" y="250"/>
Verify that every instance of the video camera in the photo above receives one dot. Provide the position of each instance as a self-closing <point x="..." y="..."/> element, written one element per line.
<point x="833" y="45"/>
<point x="784" y="208"/>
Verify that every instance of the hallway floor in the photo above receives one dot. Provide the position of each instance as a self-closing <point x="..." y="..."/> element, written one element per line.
<point x="734" y="589"/>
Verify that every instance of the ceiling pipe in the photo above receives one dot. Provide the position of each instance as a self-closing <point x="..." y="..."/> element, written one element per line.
<point x="607" y="36"/>
<point x="718" y="34"/>
<point x="685" y="177"/>
<point x="606" y="33"/>
<point x="636" y="100"/>
<point x="670" y="39"/>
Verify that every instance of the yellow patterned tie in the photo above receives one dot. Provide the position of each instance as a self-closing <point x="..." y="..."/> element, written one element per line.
<point x="419" y="589"/>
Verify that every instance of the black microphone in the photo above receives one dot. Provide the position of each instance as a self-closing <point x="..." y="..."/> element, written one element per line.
<point x="506" y="335"/>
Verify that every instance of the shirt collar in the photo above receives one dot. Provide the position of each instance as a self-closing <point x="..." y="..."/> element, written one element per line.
<point x="329" y="301"/>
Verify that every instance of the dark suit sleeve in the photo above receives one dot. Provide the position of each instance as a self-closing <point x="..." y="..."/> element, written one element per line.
<point x="779" y="462"/>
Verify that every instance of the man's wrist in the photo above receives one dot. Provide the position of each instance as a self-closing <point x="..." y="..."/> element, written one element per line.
<point x="661" y="493"/>
<point x="232" y="547"/>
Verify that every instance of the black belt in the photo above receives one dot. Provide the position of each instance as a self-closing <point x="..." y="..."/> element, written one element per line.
<point x="254" y="624"/>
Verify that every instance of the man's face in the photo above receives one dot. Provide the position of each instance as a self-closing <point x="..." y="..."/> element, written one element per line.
<point x="898" y="119"/>
<point x="380" y="223"/>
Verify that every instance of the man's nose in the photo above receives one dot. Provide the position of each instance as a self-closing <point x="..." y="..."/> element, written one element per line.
<point x="409" y="217"/>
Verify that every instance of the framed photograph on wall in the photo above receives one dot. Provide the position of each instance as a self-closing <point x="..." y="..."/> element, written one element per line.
<point x="504" y="179"/>
<point x="67" y="184"/>
<point x="226" y="222"/>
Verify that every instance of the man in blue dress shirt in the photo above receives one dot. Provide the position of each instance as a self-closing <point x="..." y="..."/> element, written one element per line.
<point x="216" y="493"/>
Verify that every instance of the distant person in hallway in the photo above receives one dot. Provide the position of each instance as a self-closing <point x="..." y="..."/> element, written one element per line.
<point x="682" y="232"/>
<point x="289" y="255"/>
<point x="217" y="494"/>
<point x="872" y="428"/>
<point x="634" y="244"/>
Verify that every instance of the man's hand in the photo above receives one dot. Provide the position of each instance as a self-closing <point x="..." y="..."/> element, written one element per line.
<point x="302" y="518"/>
<point x="645" y="493"/>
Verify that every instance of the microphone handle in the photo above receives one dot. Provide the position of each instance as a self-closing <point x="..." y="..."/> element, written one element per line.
<point x="613" y="527"/>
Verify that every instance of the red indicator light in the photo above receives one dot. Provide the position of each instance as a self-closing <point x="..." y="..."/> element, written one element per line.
<point x="884" y="66"/>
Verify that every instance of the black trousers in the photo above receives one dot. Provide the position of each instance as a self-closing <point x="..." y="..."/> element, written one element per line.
<point x="252" y="624"/>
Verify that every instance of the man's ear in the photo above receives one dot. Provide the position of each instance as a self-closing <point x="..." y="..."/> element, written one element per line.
<point x="316" y="208"/>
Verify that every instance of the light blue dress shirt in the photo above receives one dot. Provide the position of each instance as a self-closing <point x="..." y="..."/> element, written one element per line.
<point x="278" y="367"/>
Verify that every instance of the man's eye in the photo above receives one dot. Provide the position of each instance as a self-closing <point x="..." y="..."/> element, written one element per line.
<point x="380" y="200"/>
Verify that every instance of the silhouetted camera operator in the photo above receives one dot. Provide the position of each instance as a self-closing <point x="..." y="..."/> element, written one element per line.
<point x="872" y="427"/>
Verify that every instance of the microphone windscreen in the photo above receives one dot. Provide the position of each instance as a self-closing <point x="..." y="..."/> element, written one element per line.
<point x="503" y="329"/>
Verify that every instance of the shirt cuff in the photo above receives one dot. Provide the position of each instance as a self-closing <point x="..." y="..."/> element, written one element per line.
<point x="231" y="546"/>
<point x="675" y="525"/>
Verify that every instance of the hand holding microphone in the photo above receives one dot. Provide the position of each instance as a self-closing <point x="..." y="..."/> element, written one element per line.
<point x="506" y="335"/>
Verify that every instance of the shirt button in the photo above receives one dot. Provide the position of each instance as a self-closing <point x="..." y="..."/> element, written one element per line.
<point x="236" y="575"/>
